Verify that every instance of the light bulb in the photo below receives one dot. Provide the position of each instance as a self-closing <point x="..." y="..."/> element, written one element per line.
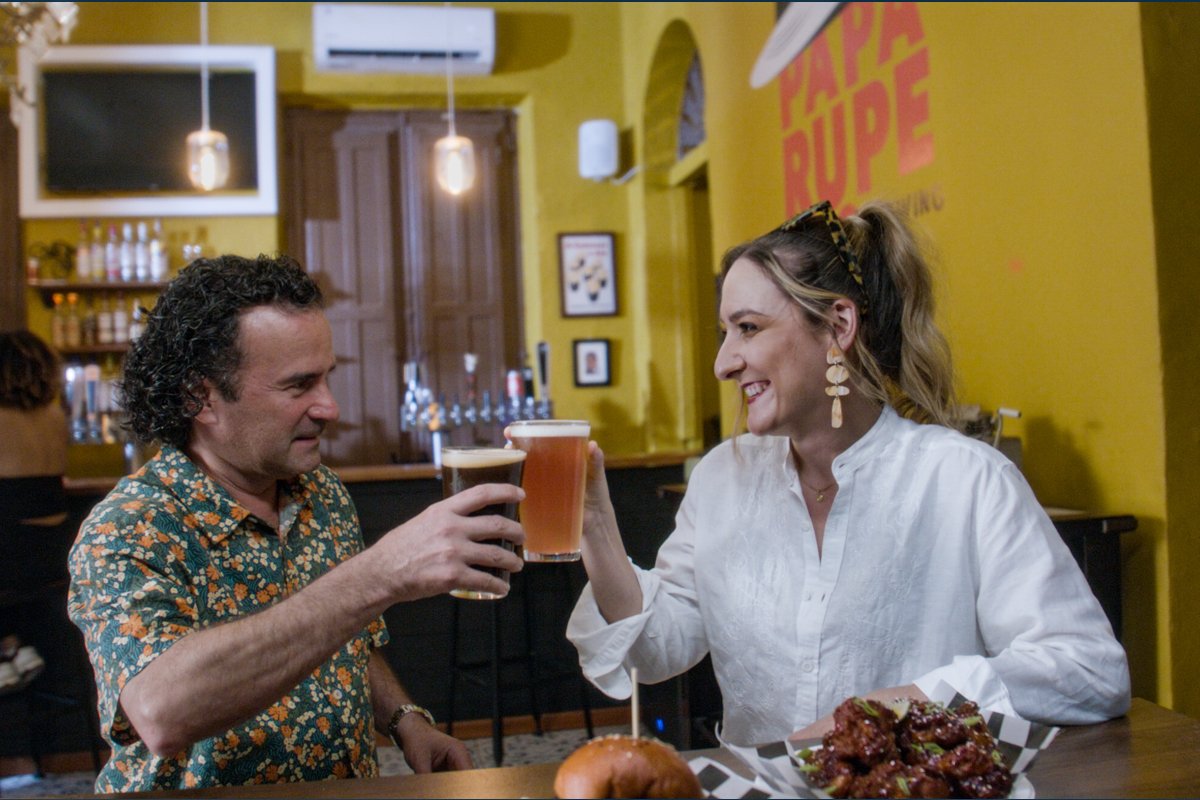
<point x="208" y="159"/>
<point x="454" y="163"/>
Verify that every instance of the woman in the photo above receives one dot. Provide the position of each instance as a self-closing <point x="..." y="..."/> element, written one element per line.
<point x="853" y="543"/>
<point x="31" y="416"/>
<point x="32" y="501"/>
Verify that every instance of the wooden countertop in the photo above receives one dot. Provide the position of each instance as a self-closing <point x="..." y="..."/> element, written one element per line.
<point x="400" y="472"/>
<point x="1151" y="752"/>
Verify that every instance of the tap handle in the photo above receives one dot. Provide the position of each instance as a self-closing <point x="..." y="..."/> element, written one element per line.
<point x="543" y="361"/>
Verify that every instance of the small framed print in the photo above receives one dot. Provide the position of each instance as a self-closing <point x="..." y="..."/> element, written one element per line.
<point x="588" y="269"/>
<point x="592" y="365"/>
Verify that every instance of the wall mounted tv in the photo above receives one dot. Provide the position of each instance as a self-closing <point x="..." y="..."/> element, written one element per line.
<point x="106" y="133"/>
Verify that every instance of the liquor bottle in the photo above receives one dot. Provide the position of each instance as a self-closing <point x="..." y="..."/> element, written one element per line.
<point x="158" y="254"/>
<point x="104" y="322"/>
<point x="83" y="254"/>
<point x="58" y="322"/>
<point x="112" y="255"/>
<point x="137" y="322"/>
<point x="89" y="323"/>
<point x="125" y="254"/>
<point x="141" y="254"/>
<point x="73" y="330"/>
<point x="97" y="253"/>
<point x="120" y="321"/>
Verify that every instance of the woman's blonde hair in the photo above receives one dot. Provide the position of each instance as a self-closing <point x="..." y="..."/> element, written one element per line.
<point x="899" y="356"/>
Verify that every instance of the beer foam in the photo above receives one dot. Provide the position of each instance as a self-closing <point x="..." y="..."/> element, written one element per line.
<point x="480" y="457"/>
<point x="551" y="427"/>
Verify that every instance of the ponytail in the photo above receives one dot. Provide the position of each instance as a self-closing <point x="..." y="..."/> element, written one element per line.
<point x="904" y="359"/>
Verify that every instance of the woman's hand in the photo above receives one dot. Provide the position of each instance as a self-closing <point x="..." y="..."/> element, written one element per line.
<point x="597" y="504"/>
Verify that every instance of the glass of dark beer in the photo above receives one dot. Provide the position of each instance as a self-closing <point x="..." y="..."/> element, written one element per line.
<point x="467" y="466"/>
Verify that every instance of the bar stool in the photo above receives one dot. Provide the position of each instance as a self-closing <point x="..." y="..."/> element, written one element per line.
<point x="33" y="590"/>
<point x="540" y="669"/>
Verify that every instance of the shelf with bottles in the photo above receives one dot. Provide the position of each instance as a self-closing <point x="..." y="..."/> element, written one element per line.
<point x="133" y="257"/>
<point x="48" y="287"/>
<point x="99" y="323"/>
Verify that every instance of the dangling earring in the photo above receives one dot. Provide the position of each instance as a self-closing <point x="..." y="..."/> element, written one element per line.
<point x="836" y="375"/>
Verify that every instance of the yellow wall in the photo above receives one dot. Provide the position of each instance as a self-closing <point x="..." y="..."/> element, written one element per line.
<point x="1038" y="115"/>
<point x="1169" y="35"/>
<point x="1066" y="249"/>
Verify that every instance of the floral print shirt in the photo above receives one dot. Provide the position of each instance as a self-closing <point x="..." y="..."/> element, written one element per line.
<point x="170" y="552"/>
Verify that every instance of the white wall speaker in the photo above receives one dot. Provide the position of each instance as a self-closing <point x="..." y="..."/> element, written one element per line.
<point x="598" y="149"/>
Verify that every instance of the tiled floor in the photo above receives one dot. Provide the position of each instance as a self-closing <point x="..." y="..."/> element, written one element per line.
<point x="518" y="749"/>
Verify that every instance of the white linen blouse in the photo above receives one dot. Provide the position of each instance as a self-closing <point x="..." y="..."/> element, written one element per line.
<point x="938" y="564"/>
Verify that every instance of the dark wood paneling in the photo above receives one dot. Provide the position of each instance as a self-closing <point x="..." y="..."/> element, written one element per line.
<point x="412" y="273"/>
<point x="12" y="265"/>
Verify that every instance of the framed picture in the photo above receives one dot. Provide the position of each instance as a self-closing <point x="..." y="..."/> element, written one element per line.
<point x="588" y="269"/>
<point x="592" y="366"/>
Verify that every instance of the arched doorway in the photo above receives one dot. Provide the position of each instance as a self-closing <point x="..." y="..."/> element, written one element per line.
<point x="680" y="267"/>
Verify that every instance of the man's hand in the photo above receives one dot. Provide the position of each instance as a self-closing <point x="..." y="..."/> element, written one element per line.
<point x="426" y="749"/>
<point x="436" y="551"/>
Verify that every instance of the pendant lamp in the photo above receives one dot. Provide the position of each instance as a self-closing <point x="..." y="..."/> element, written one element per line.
<point x="453" y="155"/>
<point x="207" y="150"/>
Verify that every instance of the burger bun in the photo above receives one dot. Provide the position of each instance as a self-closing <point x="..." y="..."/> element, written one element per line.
<point x="622" y="766"/>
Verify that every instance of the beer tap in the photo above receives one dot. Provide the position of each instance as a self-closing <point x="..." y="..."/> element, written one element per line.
<point x="515" y="389"/>
<point x="73" y="390"/>
<point x="544" y="409"/>
<point x="485" y="406"/>
<point x="91" y="382"/>
<point x="470" y="414"/>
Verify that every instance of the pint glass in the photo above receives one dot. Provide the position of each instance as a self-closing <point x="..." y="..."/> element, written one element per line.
<point x="555" y="478"/>
<point x="464" y="467"/>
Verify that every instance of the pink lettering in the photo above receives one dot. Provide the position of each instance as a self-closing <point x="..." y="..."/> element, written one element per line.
<point x="857" y="19"/>
<point x="789" y="88"/>
<point x="899" y="19"/>
<point x="870" y="130"/>
<point x="912" y="111"/>
<point x="830" y="187"/>
<point x="821" y="79"/>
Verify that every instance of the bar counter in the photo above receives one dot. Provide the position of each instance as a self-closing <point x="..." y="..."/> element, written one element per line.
<point x="1151" y="752"/>
<point x="369" y="473"/>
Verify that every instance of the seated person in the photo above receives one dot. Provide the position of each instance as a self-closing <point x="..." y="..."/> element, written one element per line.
<point x="32" y="500"/>
<point x="229" y="608"/>
<point x="34" y="425"/>
<point x="853" y="543"/>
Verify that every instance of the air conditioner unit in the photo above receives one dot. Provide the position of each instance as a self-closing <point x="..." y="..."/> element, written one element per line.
<point x="393" y="38"/>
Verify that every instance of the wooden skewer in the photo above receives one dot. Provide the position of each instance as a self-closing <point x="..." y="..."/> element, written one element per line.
<point x="633" y="676"/>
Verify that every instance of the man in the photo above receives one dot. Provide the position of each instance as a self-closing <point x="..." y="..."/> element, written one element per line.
<point x="229" y="609"/>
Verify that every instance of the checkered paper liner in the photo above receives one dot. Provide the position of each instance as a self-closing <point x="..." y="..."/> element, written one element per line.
<point x="776" y="773"/>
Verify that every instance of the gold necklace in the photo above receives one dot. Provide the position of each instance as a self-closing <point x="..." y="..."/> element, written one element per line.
<point x="819" y="492"/>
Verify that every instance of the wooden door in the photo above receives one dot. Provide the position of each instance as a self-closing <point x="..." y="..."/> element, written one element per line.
<point x="410" y="272"/>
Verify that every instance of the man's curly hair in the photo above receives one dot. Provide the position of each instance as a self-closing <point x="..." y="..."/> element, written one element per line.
<point x="192" y="336"/>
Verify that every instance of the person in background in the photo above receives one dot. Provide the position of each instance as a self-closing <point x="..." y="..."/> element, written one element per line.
<point x="33" y="504"/>
<point x="853" y="543"/>
<point x="229" y="608"/>
<point x="31" y="412"/>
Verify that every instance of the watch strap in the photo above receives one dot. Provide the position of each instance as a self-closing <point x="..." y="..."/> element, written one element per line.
<point x="404" y="710"/>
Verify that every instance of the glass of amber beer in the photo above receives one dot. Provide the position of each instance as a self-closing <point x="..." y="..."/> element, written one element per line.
<point x="555" y="478"/>
<point x="464" y="467"/>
